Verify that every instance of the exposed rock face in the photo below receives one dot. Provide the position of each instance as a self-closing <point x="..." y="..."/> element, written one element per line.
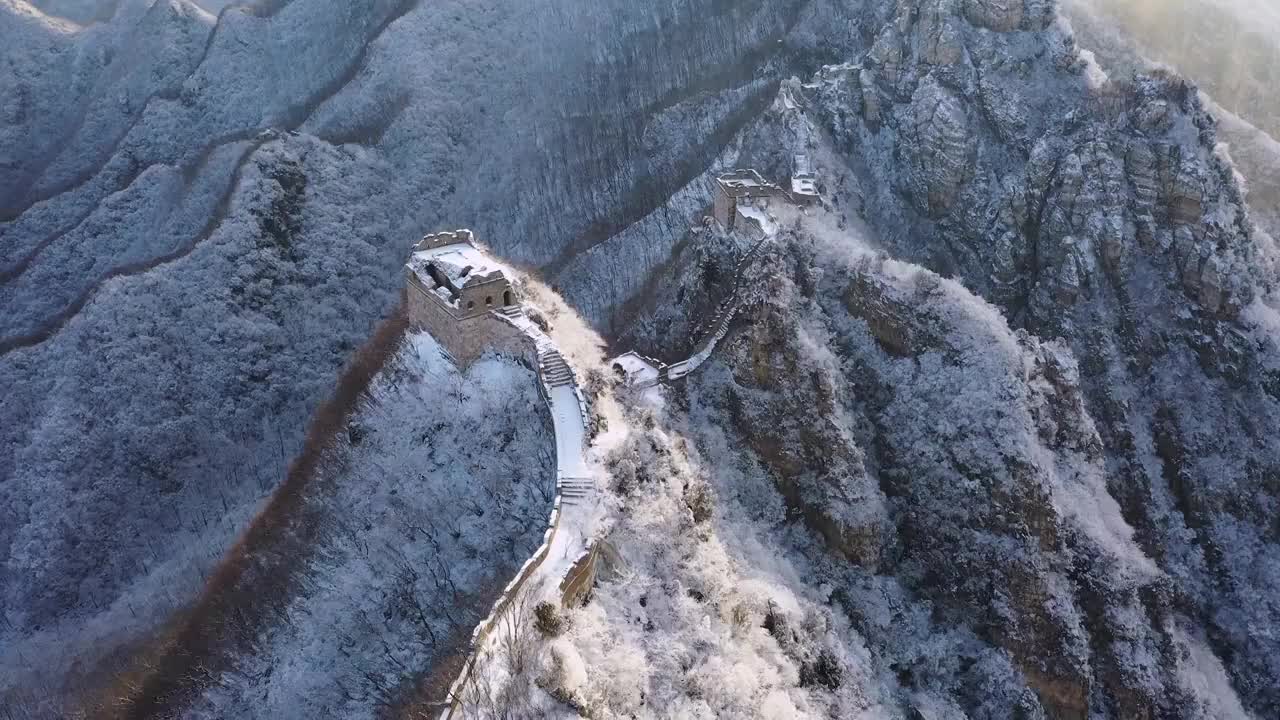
<point x="939" y="148"/>
<point x="1093" y="169"/>
<point x="1101" y="211"/>
<point x="1122" y="528"/>
<point x="931" y="446"/>
<point x="998" y="15"/>
<point x="1010" y="15"/>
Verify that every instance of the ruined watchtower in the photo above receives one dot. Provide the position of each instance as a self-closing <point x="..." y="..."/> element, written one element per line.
<point x="742" y="188"/>
<point x="463" y="296"/>
<point x="804" y="183"/>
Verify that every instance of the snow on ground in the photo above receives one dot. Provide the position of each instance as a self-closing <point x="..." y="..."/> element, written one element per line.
<point x="578" y="518"/>
<point x="638" y="370"/>
<point x="570" y="435"/>
<point x="677" y="630"/>
<point x="761" y="216"/>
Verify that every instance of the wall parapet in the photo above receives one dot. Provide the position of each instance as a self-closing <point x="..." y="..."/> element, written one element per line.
<point x="512" y="590"/>
<point x="532" y="351"/>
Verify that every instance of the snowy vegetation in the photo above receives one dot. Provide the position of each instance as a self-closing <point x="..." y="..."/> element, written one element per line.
<point x="444" y="486"/>
<point x="223" y="379"/>
<point x="182" y="287"/>
<point x="855" y="469"/>
<point x="991" y="438"/>
<point x="702" y="616"/>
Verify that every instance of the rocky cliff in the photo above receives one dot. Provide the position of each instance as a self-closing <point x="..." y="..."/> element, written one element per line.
<point x="1099" y="210"/>
<point x="1078" y="467"/>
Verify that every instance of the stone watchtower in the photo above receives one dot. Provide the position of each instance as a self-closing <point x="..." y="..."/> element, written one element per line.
<point x="804" y="183"/>
<point x="463" y="296"/>
<point x="738" y="188"/>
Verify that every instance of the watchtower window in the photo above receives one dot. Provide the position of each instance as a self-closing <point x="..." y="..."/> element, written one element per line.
<point x="488" y="301"/>
<point x="506" y="297"/>
<point x="471" y="304"/>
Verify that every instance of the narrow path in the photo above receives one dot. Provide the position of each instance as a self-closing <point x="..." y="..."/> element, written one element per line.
<point x="569" y="535"/>
<point x="644" y="373"/>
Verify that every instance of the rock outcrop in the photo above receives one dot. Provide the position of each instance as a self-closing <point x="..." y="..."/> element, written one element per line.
<point x="1117" y="498"/>
<point x="1100" y="210"/>
<point x="932" y="447"/>
<point x="1013" y="136"/>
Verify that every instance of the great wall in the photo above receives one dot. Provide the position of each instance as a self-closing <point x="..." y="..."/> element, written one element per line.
<point x="465" y="298"/>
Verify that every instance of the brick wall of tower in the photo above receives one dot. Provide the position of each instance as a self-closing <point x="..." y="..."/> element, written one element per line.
<point x="466" y="338"/>
<point x="726" y="208"/>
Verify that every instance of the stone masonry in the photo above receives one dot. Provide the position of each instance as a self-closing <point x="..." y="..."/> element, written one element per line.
<point x="465" y="299"/>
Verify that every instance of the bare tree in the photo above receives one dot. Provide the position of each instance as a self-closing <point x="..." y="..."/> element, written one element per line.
<point x="500" y="679"/>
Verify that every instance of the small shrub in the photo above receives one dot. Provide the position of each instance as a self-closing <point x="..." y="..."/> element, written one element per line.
<point x="698" y="498"/>
<point x="535" y="315"/>
<point x="548" y="619"/>
<point x="775" y="623"/>
<point x="356" y="433"/>
<point x="824" y="671"/>
<point x="595" y="382"/>
<point x="623" y="471"/>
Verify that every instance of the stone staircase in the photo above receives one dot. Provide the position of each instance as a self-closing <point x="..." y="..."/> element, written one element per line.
<point x="707" y="331"/>
<point x="576" y="491"/>
<point x="515" y="312"/>
<point x="554" y="370"/>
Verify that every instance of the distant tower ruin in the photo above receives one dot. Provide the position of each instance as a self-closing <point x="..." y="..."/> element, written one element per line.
<point x="740" y="188"/>
<point x="804" y="183"/>
<point x="463" y="296"/>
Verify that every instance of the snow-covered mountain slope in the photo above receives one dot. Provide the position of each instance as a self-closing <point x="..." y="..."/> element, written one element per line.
<point x="85" y="12"/>
<point x="1122" y="538"/>
<point x="1228" y="47"/>
<point x="1044" y="487"/>
<point x="444" y="489"/>
<point x="1235" y="74"/>
<point x="203" y="216"/>
<point x="848" y="425"/>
